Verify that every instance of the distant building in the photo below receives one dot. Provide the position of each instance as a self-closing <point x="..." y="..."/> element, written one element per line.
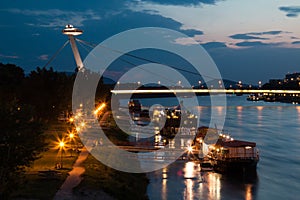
<point x="290" y="82"/>
<point x="292" y="77"/>
<point x="275" y="81"/>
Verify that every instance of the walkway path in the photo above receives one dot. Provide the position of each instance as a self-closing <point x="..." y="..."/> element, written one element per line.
<point x="74" y="178"/>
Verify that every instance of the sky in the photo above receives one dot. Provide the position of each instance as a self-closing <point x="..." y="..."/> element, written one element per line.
<point x="248" y="40"/>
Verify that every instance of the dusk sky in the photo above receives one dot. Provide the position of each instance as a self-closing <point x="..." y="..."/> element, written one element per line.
<point x="249" y="40"/>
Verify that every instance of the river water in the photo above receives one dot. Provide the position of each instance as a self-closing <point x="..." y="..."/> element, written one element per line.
<point x="275" y="127"/>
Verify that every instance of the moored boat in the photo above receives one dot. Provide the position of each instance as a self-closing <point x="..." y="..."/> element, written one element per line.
<point x="255" y="97"/>
<point x="228" y="155"/>
<point x="234" y="156"/>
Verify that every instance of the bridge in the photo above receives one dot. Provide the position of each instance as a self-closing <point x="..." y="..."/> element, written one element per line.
<point x="205" y="91"/>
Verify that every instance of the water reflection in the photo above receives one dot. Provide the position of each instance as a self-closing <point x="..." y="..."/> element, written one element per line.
<point x="189" y="194"/>
<point x="190" y="170"/>
<point x="239" y="114"/>
<point x="248" y="193"/>
<point x="275" y="128"/>
<point x="298" y="111"/>
<point x="185" y="180"/>
<point x="164" y="190"/>
<point x="214" y="185"/>
<point x="259" y="115"/>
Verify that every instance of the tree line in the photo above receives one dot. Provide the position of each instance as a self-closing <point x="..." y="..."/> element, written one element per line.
<point x="28" y="104"/>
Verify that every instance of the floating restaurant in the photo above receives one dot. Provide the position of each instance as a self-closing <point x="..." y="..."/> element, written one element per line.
<point x="227" y="154"/>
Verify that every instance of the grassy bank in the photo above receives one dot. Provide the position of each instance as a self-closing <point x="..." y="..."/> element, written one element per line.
<point x="42" y="180"/>
<point x="119" y="185"/>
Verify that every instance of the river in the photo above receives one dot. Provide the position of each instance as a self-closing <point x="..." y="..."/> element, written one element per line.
<point x="275" y="127"/>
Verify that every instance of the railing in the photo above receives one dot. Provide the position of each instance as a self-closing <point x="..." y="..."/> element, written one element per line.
<point x="239" y="156"/>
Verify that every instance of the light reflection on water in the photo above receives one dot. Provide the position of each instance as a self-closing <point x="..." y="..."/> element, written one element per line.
<point x="186" y="181"/>
<point x="275" y="127"/>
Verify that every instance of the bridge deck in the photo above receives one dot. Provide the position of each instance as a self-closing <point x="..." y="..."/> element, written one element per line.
<point x="205" y="91"/>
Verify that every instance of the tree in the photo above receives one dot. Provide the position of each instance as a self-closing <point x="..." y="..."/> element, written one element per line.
<point x="49" y="91"/>
<point x="21" y="138"/>
<point x="21" y="141"/>
<point x="11" y="79"/>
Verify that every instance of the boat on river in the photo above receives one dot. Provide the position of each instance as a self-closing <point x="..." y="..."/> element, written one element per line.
<point x="227" y="154"/>
<point x="255" y="97"/>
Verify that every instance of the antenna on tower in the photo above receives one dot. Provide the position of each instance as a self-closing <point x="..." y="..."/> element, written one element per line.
<point x="70" y="31"/>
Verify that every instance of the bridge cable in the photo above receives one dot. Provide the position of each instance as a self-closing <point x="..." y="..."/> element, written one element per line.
<point x="56" y="54"/>
<point x="144" y="59"/>
<point x="128" y="62"/>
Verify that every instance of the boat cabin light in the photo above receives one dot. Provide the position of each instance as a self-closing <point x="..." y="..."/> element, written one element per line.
<point x="248" y="147"/>
<point x="190" y="149"/>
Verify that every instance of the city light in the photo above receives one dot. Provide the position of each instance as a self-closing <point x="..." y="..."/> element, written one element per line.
<point x="99" y="108"/>
<point x="190" y="149"/>
<point x="82" y="124"/>
<point x="71" y="135"/>
<point x="71" y="120"/>
<point x="61" y="144"/>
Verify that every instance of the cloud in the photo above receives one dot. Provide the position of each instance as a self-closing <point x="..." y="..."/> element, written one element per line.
<point x="253" y="35"/>
<point x="183" y="2"/>
<point x="251" y="44"/>
<point x="54" y="18"/>
<point x="43" y="57"/>
<point x="267" y="33"/>
<point x="246" y="36"/>
<point x="9" y="56"/>
<point x="214" y="45"/>
<point x="291" y="11"/>
<point x="187" y="41"/>
<point x="150" y="8"/>
<point x="192" y="32"/>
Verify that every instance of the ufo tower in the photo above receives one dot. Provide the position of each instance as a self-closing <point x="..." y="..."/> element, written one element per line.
<point x="70" y="31"/>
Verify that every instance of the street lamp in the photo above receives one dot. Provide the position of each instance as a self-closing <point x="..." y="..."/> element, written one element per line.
<point x="71" y="120"/>
<point x="78" y="129"/>
<point x="259" y="84"/>
<point x="72" y="139"/>
<point x="61" y="148"/>
<point x="71" y="135"/>
<point x="99" y="108"/>
<point x="240" y="84"/>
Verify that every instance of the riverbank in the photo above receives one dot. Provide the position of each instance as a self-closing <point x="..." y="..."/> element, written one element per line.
<point x="99" y="178"/>
<point x="41" y="180"/>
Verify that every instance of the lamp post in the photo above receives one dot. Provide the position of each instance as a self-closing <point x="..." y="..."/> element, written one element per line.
<point x="71" y="136"/>
<point x="61" y="148"/>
